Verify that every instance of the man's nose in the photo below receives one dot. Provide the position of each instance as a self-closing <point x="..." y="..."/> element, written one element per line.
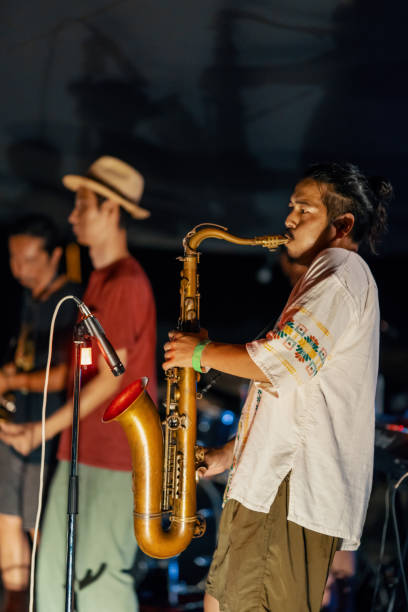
<point x="291" y="220"/>
<point x="17" y="269"/>
<point x="71" y="216"/>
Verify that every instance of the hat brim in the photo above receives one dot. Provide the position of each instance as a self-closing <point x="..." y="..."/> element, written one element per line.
<point x="73" y="182"/>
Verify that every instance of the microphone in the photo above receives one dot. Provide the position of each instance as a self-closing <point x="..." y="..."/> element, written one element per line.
<point x="95" y="329"/>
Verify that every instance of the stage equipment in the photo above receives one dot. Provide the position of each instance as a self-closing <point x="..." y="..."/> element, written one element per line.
<point x="165" y="459"/>
<point x="391" y="448"/>
<point x="380" y="582"/>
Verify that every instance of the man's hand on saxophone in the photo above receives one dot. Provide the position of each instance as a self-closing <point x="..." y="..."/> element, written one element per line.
<point x="181" y="347"/>
<point x="228" y="358"/>
<point x="217" y="459"/>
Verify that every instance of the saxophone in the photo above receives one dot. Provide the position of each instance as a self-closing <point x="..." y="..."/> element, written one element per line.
<point x="164" y="454"/>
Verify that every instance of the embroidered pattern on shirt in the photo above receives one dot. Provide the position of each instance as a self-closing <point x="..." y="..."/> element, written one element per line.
<point x="307" y="349"/>
<point x="320" y="325"/>
<point x="284" y="362"/>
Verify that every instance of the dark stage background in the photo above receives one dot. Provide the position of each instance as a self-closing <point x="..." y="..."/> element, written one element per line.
<point x="220" y="105"/>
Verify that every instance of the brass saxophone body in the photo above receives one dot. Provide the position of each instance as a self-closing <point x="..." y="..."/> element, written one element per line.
<point x="164" y="454"/>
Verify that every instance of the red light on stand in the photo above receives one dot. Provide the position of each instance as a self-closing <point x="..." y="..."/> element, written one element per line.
<point x="86" y="355"/>
<point x="397" y="428"/>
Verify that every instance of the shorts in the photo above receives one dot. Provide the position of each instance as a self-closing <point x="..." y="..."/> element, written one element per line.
<point x="19" y="485"/>
<point x="263" y="562"/>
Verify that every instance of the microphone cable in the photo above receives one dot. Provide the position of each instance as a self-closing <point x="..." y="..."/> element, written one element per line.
<point x="382" y="548"/>
<point x="401" y="554"/>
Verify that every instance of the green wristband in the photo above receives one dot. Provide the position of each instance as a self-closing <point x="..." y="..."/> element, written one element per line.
<point x="196" y="359"/>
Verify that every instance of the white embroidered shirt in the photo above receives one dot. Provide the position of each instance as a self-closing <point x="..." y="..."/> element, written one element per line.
<point x="316" y="416"/>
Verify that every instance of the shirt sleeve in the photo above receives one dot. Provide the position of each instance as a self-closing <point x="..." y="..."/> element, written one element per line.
<point x="127" y="303"/>
<point x="303" y="339"/>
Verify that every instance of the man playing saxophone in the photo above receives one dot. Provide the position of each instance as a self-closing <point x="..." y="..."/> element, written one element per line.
<point x="301" y="464"/>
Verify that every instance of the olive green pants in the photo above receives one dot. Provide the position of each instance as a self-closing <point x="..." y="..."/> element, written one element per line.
<point x="105" y="549"/>
<point x="263" y="562"/>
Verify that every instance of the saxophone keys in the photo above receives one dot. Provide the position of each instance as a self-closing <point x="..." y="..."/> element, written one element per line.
<point x="199" y="456"/>
<point x="173" y="422"/>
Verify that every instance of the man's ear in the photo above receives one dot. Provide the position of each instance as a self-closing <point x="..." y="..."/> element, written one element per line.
<point x="111" y="208"/>
<point x="343" y="225"/>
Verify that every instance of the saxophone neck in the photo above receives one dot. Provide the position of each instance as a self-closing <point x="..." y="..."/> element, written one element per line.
<point x="204" y="231"/>
<point x="190" y="295"/>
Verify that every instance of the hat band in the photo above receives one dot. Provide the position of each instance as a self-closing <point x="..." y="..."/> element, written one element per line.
<point x="111" y="187"/>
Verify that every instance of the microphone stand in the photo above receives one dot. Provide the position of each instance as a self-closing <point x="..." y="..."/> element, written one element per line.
<point x="80" y="337"/>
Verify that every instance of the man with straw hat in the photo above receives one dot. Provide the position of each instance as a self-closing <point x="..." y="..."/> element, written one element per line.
<point x="120" y="296"/>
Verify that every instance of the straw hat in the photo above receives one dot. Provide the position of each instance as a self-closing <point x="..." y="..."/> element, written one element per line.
<point x="115" y="180"/>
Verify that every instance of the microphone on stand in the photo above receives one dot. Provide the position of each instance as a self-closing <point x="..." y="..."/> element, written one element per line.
<point x="95" y="329"/>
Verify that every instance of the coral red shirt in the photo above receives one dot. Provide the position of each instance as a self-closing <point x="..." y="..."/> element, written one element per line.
<point x="121" y="298"/>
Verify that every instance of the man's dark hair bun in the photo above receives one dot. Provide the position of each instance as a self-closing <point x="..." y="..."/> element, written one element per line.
<point x="383" y="193"/>
<point x="382" y="189"/>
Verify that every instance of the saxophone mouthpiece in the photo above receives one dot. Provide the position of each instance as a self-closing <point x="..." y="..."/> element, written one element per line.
<point x="271" y="242"/>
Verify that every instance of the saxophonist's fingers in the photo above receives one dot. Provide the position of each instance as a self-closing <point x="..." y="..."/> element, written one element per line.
<point x="173" y="334"/>
<point x="166" y="365"/>
<point x="168" y="354"/>
<point x="200" y="473"/>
